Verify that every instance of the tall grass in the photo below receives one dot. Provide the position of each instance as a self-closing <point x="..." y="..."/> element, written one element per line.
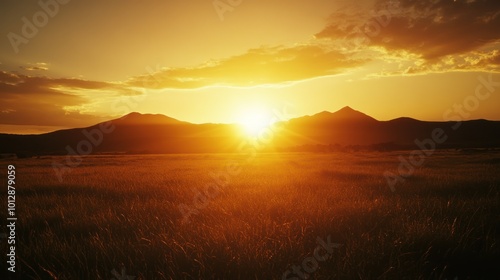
<point x="115" y="212"/>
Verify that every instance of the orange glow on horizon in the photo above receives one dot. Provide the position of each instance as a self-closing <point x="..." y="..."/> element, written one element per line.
<point x="254" y="120"/>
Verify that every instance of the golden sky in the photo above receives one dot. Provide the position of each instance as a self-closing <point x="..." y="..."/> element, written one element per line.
<point x="69" y="63"/>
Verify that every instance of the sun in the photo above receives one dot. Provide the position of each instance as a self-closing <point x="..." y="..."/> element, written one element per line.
<point x="255" y="121"/>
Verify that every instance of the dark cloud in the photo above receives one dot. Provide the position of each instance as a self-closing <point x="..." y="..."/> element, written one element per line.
<point x="35" y="84"/>
<point x="431" y="29"/>
<point x="33" y="100"/>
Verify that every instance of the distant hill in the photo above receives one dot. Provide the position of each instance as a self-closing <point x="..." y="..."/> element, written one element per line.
<point x="146" y="119"/>
<point x="348" y="127"/>
<point x="344" y="129"/>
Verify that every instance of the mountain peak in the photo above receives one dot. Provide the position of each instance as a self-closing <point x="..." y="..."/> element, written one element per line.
<point x="344" y="114"/>
<point x="136" y="118"/>
<point x="347" y="113"/>
<point x="347" y="109"/>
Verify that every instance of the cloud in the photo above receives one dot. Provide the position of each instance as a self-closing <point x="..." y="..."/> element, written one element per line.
<point x="408" y="37"/>
<point x="39" y="66"/>
<point x="44" y="101"/>
<point x="432" y="30"/>
<point x="265" y="65"/>
<point x="409" y="64"/>
<point x="35" y="100"/>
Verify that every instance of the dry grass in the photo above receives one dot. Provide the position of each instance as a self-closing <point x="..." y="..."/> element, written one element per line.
<point x="122" y="211"/>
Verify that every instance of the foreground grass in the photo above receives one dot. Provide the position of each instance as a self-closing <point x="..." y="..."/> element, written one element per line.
<point x="115" y="212"/>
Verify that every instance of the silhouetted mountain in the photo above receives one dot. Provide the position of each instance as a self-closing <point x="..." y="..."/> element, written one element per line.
<point x="348" y="127"/>
<point x="350" y="115"/>
<point x="135" y="118"/>
<point x="148" y="133"/>
<point x="345" y="127"/>
<point x="345" y="116"/>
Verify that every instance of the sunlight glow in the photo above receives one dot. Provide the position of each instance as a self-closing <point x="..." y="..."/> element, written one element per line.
<point x="255" y="120"/>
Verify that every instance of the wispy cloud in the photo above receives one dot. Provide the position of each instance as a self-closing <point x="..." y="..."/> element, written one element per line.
<point x="265" y="65"/>
<point x="39" y="66"/>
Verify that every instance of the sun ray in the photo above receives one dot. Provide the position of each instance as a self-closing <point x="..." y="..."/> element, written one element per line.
<point x="255" y="120"/>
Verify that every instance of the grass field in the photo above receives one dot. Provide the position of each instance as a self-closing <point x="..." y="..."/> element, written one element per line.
<point x="260" y="220"/>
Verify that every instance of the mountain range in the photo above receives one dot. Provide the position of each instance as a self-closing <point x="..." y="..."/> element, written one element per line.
<point x="325" y="131"/>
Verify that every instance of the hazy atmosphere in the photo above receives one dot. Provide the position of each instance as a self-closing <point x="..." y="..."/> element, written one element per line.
<point x="212" y="61"/>
<point x="238" y="139"/>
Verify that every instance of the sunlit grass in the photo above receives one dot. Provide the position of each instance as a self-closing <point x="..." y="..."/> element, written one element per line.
<point x="113" y="212"/>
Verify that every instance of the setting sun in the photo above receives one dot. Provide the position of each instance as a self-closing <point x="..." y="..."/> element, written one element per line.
<point x="239" y="139"/>
<point x="255" y="120"/>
